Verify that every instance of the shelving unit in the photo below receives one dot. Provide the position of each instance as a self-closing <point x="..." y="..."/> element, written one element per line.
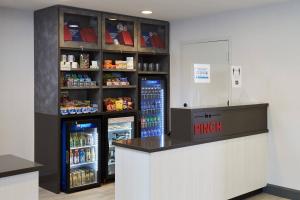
<point x="51" y="44"/>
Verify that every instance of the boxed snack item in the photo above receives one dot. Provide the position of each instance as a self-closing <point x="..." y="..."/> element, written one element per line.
<point x="65" y="66"/>
<point x="129" y="62"/>
<point x="108" y="64"/>
<point x="120" y="64"/>
<point x="94" y="65"/>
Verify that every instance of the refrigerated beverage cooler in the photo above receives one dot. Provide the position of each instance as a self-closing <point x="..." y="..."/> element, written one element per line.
<point x="118" y="128"/>
<point x="152" y="106"/>
<point x="80" y="155"/>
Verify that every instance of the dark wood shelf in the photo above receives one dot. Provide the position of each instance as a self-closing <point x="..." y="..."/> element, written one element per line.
<point x="145" y="72"/>
<point x="153" y="53"/>
<point x="75" y="48"/>
<point x="119" y="87"/>
<point x="81" y="70"/>
<point x="119" y="70"/>
<point x="81" y="115"/>
<point x="98" y="114"/>
<point x="118" y="51"/>
<point x="80" y="88"/>
<point x="119" y="112"/>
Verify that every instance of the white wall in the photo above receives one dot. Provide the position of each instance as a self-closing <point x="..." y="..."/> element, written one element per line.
<point x="266" y="42"/>
<point x="16" y="83"/>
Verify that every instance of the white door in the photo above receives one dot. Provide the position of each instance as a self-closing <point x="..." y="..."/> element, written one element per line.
<point x="216" y="92"/>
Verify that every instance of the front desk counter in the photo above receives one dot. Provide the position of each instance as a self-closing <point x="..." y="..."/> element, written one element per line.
<point x="19" y="178"/>
<point x="213" y="164"/>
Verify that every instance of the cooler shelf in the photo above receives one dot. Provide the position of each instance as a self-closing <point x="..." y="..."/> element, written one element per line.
<point x="83" y="147"/>
<point x="82" y="164"/>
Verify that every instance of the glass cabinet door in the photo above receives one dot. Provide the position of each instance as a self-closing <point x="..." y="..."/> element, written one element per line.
<point x="118" y="129"/>
<point x="119" y="33"/>
<point x="79" y="29"/>
<point x="153" y="36"/>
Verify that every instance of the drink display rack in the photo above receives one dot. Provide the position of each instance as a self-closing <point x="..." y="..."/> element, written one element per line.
<point x="85" y="60"/>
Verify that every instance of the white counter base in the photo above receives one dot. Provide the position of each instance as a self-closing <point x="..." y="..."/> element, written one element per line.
<point x="213" y="171"/>
<point x="20" y="187"/>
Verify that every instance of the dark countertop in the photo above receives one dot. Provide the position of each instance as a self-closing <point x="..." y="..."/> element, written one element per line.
<point x="150" y="144"/>
<point x="231" y="107"/>
<point x="156" y="144"/>
<point x="12" y="165"/>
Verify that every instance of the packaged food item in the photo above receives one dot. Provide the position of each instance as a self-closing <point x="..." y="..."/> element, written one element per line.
<point x="108" y="64"/>
<point x="71" y="58"/>
<point x="84" y="61"/>
<point x="94" y="65"/>
<point x="120" y="64"/>
<point x="118" y="104"/>
<point x="71" y="106"/>
<point x="115" y="79"/>
<point x="129" y="62"/>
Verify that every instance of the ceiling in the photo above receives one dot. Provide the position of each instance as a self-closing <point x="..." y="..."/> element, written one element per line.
<point x="162" y="9"/>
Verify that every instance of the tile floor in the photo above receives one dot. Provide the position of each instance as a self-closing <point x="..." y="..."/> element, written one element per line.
<point x="106" y="192"/>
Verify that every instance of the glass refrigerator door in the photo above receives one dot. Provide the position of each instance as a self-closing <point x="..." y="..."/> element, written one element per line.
<point x="118" y="129"/>
<point x="83" y="154"/>
<point x="152" y="107"/>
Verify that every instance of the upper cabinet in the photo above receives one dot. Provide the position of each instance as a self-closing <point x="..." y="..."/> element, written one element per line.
<point x="153" y="36"/>
<point x="119" y="33"/>
<point x="79" y="29"/>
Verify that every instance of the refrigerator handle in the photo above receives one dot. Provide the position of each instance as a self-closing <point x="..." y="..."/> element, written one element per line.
<point x="67" y="157"/>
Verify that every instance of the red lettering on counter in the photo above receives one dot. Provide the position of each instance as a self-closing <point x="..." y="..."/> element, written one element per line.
<point x="207" y="128"/>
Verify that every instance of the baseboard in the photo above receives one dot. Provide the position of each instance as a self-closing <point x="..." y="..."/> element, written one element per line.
<point x="248" y="195"/>
<point x="282" y="192"/>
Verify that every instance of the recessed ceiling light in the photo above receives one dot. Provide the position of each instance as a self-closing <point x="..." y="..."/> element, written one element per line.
<point x="146" y="12"/>
<point x="112" y="19"/>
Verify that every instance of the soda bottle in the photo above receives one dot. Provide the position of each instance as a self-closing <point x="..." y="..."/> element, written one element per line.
<point x="71" y="158"/>
<point x="83" y="178"/>
<point x="154" y="121"/>
<point x="71" y="142"/>
<point x="76" y="157"/>
<point x="88" y="155"/>
<point x="90" y="139"/>
<point x="76" y="141"/>
<point x="82" y="156"/>
<point x="84" y="139"/>
<point x="93" y="155"/>
<point x="75" y="182"/>
<point x="92" y="175"/>
<point x="142" y="122"/>
<point x="71" y="179"/>
<point x="80" y="140"/>
<point x="87" y="176"/>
